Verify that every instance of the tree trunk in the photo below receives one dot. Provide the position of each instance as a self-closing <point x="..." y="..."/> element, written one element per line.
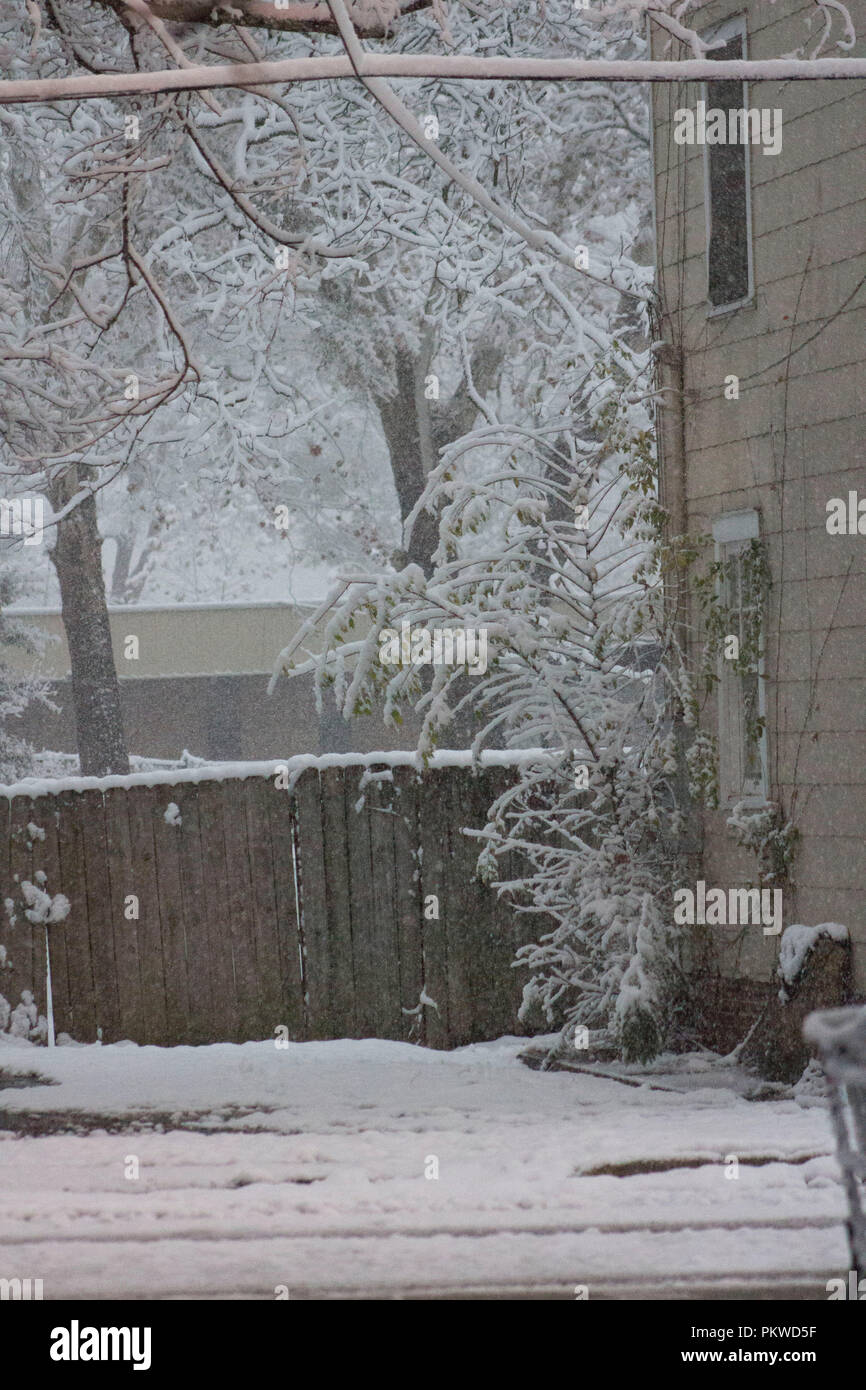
<point x="415" y="435"/>
<point x="403" y="432"/>
<point x="77" y="558"/>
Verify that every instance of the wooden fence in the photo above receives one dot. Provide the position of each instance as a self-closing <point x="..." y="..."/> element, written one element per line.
<point x="254" y="907"/>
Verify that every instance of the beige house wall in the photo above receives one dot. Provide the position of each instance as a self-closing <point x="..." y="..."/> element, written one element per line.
<point x="795" y="438"/>
<point x="173" y="640"/>
<point x="200" y="682"/>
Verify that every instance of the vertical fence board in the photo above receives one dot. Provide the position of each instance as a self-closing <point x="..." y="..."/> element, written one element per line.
<point x="338" y="790"/>
<point x="519" y="928"/>
<point x="222" y="963"/>
<point x="22" y="942"/>
<point x="7" y="898"/>
<point x="238" y="904"/>
<point x="99" y="915"/>
<point x="47" y="815"/>
<point x="143" y="808"/>
<point x="384" y="933"/>
<point x="408" y="903"/>
<point x="323" y="1021"/>
<point x="363" y="904"/>
<point x="168" y="837"/>
<point x="32" y="843"/>
<point x="70" y="842"/>
<point x="225" y="1020"/>
<point x="197" y="928"/>
<point x="269" y="1009"/>
<point x="124" y="883"/>
<point x="492" y="1011"/>
<point x="461" y="925"/>
<point x="282" y="823"/>
<point x="435" y="879"/>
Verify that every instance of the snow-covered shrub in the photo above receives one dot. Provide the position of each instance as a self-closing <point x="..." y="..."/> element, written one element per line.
<point x="24" y="1022"/>
<point x="41" y="909"/>
<point x="771" y="838"/>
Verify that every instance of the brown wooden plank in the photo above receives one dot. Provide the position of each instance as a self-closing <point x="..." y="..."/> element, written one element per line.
<point x="23" y="938"/>
<point x="515" y="927"/>
<point x="168" y="839"/>
<point x="124" y="883"/>
<point x="225" y="1021"/>
<point x="17" y="974"/>
<point x="489" y="924"/>
<point x="345" y="920"/>
<point x="70" y="843"/>
<point x="258" y="792"/>
<point x="408" y="902"/>
<point x="262" y="908"/>
<point x="369" y="983"/>
<point x="142" y="808"/>
<point x="527" y="927"/>
<point x="280" y="804"/>
<point x="7" y="899"/>
<point x="460" y="892"/>
<point x="435" y="879"/>
<point x="200" y="934"/>
<point x="238" y="914"/>
<point x="522" y="928"/>
<point x="100" y="924"/>
<point x="384" y="934"/>
<point x="312" y="874"/>
<point x="47" y="815"/>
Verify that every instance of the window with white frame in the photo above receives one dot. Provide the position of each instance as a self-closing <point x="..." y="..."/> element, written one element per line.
<point x="742" y="735"/>
<point x="727" y="183"/>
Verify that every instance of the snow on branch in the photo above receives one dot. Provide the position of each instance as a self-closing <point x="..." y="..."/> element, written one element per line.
<point x="453" y="67"/>
<point x="374" y="19"/>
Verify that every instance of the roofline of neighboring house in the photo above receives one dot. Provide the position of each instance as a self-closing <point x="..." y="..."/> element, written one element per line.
<point x="13" y="611"/>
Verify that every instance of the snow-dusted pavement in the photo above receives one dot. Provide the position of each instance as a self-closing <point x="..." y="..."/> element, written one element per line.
<point x="305" y="1169"/>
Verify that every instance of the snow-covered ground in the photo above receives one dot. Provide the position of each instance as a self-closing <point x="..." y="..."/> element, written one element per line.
<point x="309" y="1170"/>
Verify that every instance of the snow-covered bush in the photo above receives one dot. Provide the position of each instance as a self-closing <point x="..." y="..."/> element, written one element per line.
<point x="769" y="835"/>
<point x="41" y="909"/>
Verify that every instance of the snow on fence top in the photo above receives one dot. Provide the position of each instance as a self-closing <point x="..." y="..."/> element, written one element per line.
<point x="222" y="772"/>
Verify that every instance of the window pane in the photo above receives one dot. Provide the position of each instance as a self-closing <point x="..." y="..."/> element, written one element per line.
<point x="728" y="261"/>
<point x="751" y="742"/>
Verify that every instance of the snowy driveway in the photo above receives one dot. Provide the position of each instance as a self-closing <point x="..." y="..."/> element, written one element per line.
<point x="312" y="1170"/>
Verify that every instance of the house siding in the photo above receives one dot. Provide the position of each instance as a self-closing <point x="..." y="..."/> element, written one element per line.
<point x="795" y="438"/>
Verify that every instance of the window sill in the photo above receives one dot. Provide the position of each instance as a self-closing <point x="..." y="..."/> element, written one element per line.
<point x="755" y="801"/>
<point x="717" y="311"/>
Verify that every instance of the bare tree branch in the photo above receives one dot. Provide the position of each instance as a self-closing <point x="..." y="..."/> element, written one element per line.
<point x="452" y="67"/>
<point x="258" y="14"/>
